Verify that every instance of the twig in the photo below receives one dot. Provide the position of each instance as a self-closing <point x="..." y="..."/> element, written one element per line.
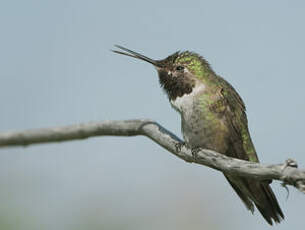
<point x="286" y="172"/>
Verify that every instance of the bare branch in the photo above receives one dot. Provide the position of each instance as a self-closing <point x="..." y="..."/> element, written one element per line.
<point x="286" y="172"/>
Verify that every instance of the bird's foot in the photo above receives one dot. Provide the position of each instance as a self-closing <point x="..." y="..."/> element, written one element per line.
<point x="179" y="146"/>
<point x="195" y="152"/>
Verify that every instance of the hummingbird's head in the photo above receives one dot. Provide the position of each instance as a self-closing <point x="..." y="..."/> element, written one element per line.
<point x="178" y="73"/>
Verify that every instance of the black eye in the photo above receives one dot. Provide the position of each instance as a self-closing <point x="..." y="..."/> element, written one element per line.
<point x="180" y="68"/>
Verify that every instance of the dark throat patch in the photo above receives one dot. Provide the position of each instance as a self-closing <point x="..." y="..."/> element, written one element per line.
<point x="175" y="86"/>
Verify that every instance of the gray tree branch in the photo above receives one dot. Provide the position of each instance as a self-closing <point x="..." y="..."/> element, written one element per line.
<point x="286" y="172"/>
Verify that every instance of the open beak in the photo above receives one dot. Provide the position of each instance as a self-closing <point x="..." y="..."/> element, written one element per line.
<point x="133" y="54"/>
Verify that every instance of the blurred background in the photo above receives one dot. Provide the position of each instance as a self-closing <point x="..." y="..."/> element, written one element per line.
<point x="57" y="69"/>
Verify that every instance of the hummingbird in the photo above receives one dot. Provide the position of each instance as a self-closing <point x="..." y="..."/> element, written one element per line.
<point x="213" y="116"/>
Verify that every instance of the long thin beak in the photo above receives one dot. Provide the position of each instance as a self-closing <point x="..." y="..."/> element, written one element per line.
<point x="133" y="54"/>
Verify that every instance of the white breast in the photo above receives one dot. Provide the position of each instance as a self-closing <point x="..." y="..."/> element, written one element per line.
<point x="184" y="104"/>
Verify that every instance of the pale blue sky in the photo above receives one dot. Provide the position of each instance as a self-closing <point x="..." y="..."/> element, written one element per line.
<point x="57" y="69"/>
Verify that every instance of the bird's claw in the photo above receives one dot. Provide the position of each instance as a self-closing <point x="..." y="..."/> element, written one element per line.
<point x="179" y="146"/>
<point x="195" y="152"/>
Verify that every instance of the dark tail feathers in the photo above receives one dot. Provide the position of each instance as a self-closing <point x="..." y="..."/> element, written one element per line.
<point x="259" y="193"/>
<point x="270" y="208"/>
